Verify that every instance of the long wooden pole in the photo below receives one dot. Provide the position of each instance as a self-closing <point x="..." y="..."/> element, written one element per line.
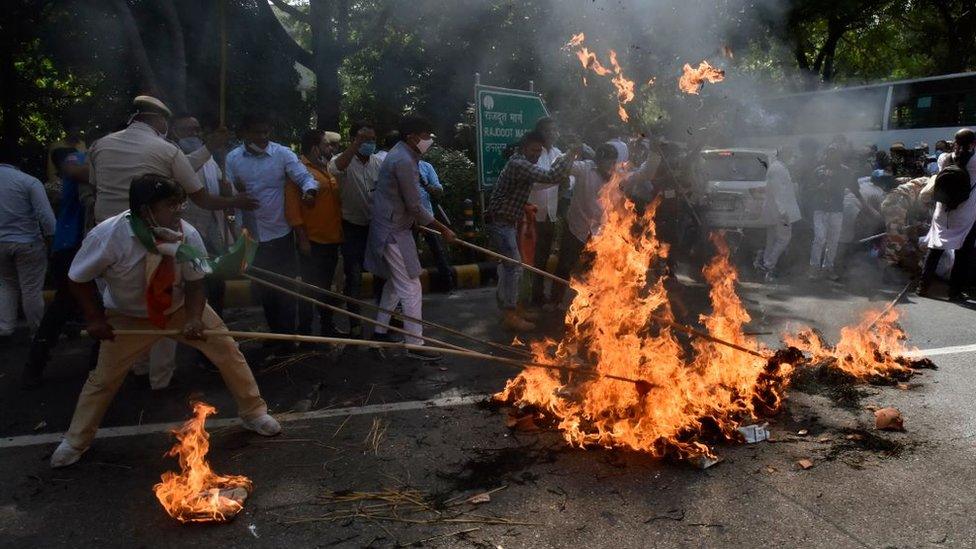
<point x="640" y="383"/>
<point x="676" y="325"/>
<point x="340" y="310"/>
<point x="394" y="314"/>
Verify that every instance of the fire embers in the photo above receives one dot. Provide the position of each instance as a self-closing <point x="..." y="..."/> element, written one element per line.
<point x="624" y="87"/>
<point x="197" y="494"/>
<point x="693" y="79"/>
<point x="692" y="399"/>
<point x="871" y="351"/>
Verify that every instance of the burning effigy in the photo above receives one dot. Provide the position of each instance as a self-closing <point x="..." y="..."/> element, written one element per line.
<point x="873" y="350"/>
<point x="619" y="325"/>
<point x="197" y="493"/>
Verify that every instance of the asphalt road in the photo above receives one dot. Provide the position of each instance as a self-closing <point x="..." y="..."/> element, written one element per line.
<point x="911" y="489"/>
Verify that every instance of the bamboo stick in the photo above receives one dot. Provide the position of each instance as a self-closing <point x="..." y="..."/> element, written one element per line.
<point x="222" y="14"/>
<point x="394" y="314"/>
<point x="349" y="313"/>
<point x="676" y="325"/>
<point x="501" y="257"/>
<point x="642" y="384"/>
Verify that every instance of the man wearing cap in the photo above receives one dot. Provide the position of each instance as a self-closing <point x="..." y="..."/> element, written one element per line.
<point x="264" y="168"/>
<point x="141" y="149"/>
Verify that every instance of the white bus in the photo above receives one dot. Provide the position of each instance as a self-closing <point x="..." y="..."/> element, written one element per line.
<point x="923" y="110"/>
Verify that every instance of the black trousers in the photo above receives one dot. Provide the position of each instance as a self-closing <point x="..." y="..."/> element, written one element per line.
<point x="62" y="309"/>
<point x="962" y="266"/>
<point x="445" y="274"/>
<point x="353" y="250"/>
<point x="278" y="255"/>
<point x="570" y="252"/>
<point x="545" y="235"/>
<point x="318" y="268"/>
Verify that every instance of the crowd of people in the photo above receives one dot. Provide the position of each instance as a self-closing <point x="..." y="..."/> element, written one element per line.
<point x="140" y="211"/>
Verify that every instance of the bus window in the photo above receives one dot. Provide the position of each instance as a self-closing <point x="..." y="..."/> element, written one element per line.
<point x="826" y="112"/>
<point x="949" y="102"/>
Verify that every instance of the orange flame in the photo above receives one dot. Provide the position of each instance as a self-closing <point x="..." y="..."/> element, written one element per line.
<point x="693" y="400"/>
<point x="868" y="350"/>
<point x="197" y="494"/>
<point x="624" y="86"/>
<point x="692" y="79"/>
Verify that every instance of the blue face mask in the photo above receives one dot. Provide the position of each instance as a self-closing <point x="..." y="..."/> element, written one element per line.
<point x="367" y="148"/>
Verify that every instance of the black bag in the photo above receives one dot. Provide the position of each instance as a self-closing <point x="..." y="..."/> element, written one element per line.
<point x="952" y="185"/>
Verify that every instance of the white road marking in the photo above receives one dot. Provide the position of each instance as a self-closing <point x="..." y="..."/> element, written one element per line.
<point x="134" y="430"/>
<point x="956" y="350"/>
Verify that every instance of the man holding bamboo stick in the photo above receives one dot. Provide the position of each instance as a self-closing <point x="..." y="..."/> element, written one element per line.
<point x="518" y="178"/>
<point x="391" y="251"/>
<point x="152" y="264"/>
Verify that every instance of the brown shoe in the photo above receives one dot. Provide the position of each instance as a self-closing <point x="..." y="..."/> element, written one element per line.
<point x="512" y="321"/>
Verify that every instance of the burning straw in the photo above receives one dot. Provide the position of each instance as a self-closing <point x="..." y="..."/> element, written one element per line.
<point x="197" y="494"/>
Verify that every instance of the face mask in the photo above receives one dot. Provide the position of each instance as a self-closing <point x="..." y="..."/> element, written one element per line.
<point x="367" y="148"/>
<point x="424" y="144"/>
<point x="163" y="233"/>
<point x="190" y="144"/>
<point x="254" y="149"/>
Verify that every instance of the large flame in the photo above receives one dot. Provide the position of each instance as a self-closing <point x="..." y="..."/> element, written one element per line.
<point x="694" y="399"/>
<point x="197" y="494"/>
<point x="692" y="79"/>
<point x="624" y="86"/>
<point x="869" y="350"/>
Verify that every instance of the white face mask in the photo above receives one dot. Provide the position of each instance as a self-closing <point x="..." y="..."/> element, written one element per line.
<point x="424" y="144"/>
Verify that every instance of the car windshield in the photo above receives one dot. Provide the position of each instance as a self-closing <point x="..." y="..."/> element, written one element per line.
<point x="732" y="166"/>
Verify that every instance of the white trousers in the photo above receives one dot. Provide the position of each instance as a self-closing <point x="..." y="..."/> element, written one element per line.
<point x="826" y="235"/>
<point x="22" y="269"/>
<point x="400" y="288"/>
<point x="777" y="239"/>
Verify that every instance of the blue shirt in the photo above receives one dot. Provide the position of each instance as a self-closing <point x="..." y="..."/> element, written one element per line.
<point x="264" y="177"/>
<point x="25" y="214"/>
<point x="71" y="218"/>
<point x="428" y="178"/>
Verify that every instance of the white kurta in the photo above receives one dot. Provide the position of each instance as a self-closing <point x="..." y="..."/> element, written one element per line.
<point x="780" y="203"/>
<point x="949" y="228"/>
<point x="546" y="198"/>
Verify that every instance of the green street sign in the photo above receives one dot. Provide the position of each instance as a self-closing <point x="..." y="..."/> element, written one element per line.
<point x="503" y="116"/>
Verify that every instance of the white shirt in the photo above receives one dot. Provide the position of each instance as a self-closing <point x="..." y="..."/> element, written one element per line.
<point x="949" y="228"/>
<point x="112" y="253"/>
<point x="546" y="198"/>
<point x="356" y="185"/>
<point x="585" y="214"/>
<point x="780" y="198"/>
<point x="209" y="223"/>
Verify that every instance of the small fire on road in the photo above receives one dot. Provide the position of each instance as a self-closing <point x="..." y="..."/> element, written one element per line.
<point x="196" y="493"/>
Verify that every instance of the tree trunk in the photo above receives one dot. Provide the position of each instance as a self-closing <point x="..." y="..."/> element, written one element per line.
<point x="9" y="92"/>
<point x="147" y="78"/>
<point x="327" y="55"/>
<point x="824" y="64"/>
<point x="177" y="78"/>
